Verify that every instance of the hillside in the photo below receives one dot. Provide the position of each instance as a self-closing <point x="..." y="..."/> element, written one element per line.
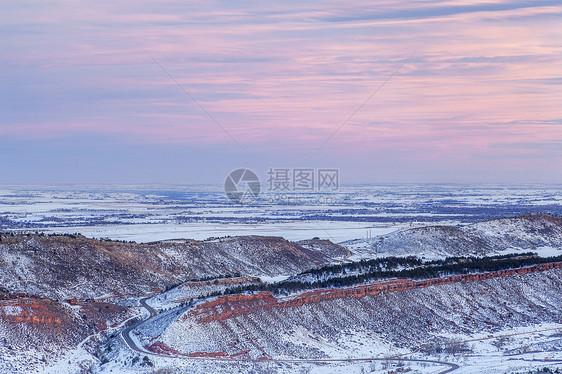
<point x="63" y="267"/>
<point x="315" y="325"/>
<point x="33" y="330"/>
<point x="522" y="233"/>
<point x="266" y="298"/>
<point x="52" y="287"/>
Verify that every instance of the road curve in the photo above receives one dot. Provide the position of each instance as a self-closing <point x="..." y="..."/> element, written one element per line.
<point x="129" y="342"/>
<point x="150" y="309"/>
<point x="126" y="333"/>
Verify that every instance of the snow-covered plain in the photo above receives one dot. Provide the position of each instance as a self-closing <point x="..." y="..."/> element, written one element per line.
<point x="294" y="231"/>
<point x="152" y="213"/>
<point x="145" y="213"/>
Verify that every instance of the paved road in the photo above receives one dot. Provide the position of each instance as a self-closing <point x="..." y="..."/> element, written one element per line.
<point x="126" y="336"/>
<point x="150" y="309"/>
<point x="126" y="333"/>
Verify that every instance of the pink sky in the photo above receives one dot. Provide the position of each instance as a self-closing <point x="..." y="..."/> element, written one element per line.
<point x="478" y="101"/>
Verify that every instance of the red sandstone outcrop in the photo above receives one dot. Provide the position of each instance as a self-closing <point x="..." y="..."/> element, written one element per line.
<point x="162" y="349"/>
<point x="230" y="306"/>
<point x="31" y="311"/>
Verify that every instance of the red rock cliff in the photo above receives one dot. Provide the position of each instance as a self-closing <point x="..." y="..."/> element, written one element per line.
<point x="230" y="306"/>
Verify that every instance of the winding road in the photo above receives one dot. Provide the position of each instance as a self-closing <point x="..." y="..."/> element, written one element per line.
<point x="130" y="343"/>
<point x="126" y="333"/>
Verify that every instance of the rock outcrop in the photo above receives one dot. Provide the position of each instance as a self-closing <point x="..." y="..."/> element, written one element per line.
<point x="230" y="306"/>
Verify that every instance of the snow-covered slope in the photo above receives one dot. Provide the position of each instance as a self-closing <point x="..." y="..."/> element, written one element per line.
<point x="41" y="277"/>
<point x="62" y="267"/>
<point x="522" y="233"/>
<point x="36" y="331"/>
<point x="370" y="325"/>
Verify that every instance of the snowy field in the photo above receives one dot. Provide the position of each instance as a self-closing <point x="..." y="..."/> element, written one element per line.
<point x="335" y="231"/>
<point x="151" y="213"/>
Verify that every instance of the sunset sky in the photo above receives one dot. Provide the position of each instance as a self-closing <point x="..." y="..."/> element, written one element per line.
<point x="473" y="90"/>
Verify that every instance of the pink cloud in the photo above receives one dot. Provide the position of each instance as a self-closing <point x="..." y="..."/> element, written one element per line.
<point x="283" y="77"/>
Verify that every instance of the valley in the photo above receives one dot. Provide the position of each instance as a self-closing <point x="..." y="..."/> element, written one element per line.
<point x="265" y="304"/>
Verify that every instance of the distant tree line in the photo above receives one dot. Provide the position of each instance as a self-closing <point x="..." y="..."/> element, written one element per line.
<point x="431" y="269"/>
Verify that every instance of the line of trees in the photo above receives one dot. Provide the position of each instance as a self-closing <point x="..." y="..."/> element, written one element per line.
<point x="433" y="269"/>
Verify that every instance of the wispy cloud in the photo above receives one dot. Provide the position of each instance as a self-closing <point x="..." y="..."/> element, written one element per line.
<point x="280" y="77"/>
